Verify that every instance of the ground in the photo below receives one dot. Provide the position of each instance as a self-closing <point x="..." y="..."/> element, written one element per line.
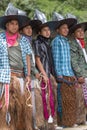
<point x="81" y="127"/>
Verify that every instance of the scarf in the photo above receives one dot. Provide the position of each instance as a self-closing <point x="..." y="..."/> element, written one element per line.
<point x="47" y="44"/>
<point x="11" y="39"/>
<point x="82" y="42"/>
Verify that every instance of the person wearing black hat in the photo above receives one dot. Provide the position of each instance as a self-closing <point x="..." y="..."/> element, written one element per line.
<point x="27" y="29"/>
<point x="64" y="73"/>
<point x="43" y="64"/>
<point x="78" y="48"/>
<point x="14" y="63"/>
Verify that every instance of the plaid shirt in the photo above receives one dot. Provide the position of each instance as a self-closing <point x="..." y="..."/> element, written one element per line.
<point x="61" y="56"/>
<point x="4" y="61"/>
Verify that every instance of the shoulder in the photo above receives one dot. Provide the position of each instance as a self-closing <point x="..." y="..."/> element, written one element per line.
<point x="55" y="41"/>
<point x="36" y="43"/>
<point x="73" y="44"/>
<point x="2" y="39"/>
<point x="24" y="39"/>
<point x="2" y="35"/>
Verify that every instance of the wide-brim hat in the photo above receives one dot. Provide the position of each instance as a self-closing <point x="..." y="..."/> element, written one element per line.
<point x="51" y="24"/>
<point x="11" y="13"/>
<point x="41" y="16"/>
<point x="69" y="21"/>
<point x="60" y="20"/>
<point x="33" y="23"/>
<point x="82" y="25"/>
<point x="4" y="19"/>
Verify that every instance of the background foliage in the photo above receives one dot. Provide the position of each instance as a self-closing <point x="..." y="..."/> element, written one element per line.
<point x="75" y="7"/>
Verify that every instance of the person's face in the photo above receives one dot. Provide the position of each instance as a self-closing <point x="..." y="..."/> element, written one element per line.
<point x="63" y="30"/>
<point x="79" y="33"/>
<point x="45" y="32"/>
<point x="12" y="27"/>
<point x="27" y="30"/>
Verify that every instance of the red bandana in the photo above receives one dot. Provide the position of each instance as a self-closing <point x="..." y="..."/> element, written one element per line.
<point x="82" y="42"/>
<point x="11" y="39"/>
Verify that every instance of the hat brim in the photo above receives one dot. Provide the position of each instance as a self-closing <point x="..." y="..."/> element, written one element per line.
<point x="80" y="25"/>
<point x="4" y="19"/>
<point x="69" y="21"/>
<point x="33" y="23"/>
<point x="51" y="24"/>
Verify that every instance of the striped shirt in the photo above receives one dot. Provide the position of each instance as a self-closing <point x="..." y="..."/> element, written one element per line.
<point x="5" y="72"/>
<point x="61" y="56"/>
<point x="40" y="49"/>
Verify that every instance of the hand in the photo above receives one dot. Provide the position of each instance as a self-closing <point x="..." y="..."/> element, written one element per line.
<point x="45" y="78"/>
<point x="38" y="76"/>
<point x="60" y="76"/>
<point x="59" y="79"/>
<point x="28" y="80"/>
<point x="81" y="80"/>
<point x="74" y="77"/>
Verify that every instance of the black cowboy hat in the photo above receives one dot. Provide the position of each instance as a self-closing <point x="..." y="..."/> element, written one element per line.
<point x="60" y="20"/>
<point x="41" y="16"/>
<point x="33" y="23"/>
<point x="79" y="25"/>
<point x="51" y="24"/>
<point x="11" y="13"/>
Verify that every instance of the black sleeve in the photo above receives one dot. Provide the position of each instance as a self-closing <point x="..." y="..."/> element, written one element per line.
<point x="37" y="48"/>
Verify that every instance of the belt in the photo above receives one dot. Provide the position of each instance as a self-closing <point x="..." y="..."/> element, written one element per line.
<point x="69" y="83"/>
<point x="19" y="75"/>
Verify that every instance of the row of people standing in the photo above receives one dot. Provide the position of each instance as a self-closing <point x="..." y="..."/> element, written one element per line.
<point x="63" y="65"/>
<point x="71" y="105"/>
<point x="68" y="81"/>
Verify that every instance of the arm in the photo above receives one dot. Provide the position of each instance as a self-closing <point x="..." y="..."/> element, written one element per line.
<point x="79" y="71"/>
<point x="56" y="57"/>
<point x="41" y="69"/>
<point x="37" y="50"/>
<point x="28" y="76"/>
<point x="34" y="71"/>
<point x="28" y="65"/>
<point x="27" y="53"/>
<point x="40" y="66"/>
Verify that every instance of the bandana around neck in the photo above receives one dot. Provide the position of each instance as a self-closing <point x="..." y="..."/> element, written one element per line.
<point x="82" y="42"/>
<point x="11" y="39"/>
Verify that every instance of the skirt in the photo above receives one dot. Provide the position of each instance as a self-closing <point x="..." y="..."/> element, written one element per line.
<point x="21" y="115"/>
<point x="66" y="103"/>
<point x="38" y="118"/>
<point x="80" y="103"/>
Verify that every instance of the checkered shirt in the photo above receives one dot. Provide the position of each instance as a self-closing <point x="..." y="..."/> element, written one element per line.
<point x="5" y="73"/>
<point x="61" y="56"/>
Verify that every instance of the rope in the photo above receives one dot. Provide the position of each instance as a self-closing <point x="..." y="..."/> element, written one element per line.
<point x="41" y="80"/>
<point x="27" y="86"/>
<point x="28" y="99"/>
<point x="8" y="117"/>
